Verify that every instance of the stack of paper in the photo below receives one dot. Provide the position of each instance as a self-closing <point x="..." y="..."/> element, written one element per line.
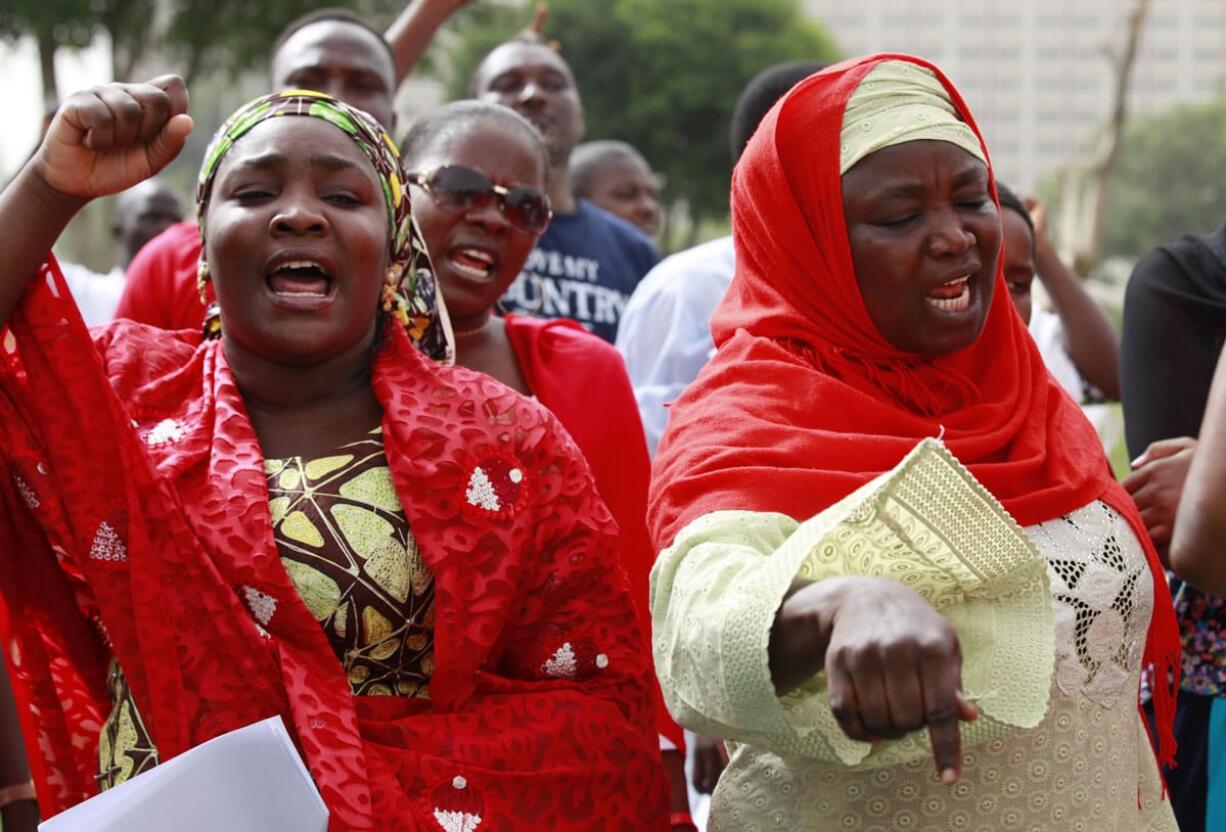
<point x="249" y="780"/>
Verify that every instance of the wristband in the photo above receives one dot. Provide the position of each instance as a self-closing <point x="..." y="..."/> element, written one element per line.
<point x="16" y="792"/>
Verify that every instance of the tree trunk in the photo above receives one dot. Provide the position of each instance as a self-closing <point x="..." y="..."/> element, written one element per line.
<point x="1085" y="188"/>
<point x="1099" y="186"/>
<point x="46" y="63"/>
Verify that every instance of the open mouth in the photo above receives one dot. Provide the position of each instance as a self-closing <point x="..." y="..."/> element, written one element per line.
<point x="300" y="279"/>
<point x="472" y="263"/>
<point x="952" y="295"/>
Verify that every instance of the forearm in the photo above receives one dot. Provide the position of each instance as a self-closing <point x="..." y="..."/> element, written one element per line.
<point x="13" y="765"/>
<point x="1092" y="340"/>
<point x="33" y="215"/>
<point x="1198" y="546"/>
<point x="412" y="32"/>
<point x="801" y="633"/>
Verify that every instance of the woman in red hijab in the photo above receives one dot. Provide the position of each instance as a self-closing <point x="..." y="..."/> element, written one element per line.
<point x="868" y="313"/>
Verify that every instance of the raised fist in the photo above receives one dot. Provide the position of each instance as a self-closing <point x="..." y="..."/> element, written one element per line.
<point x="109" y="138"/>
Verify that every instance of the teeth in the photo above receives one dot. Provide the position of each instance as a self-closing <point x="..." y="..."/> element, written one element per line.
<point x="470" y="271"/>
<point x="302" y="264"/>
<point x="478" y="254"/>
<point x="955" y="304"/>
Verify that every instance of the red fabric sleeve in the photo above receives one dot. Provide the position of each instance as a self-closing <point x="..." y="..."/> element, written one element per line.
<point x="160" y="286"/>
<point x="582" y="380"/>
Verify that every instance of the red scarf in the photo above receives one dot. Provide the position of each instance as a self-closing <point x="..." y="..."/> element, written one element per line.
<point x="581" y="379"/>
<point x="805" y="400"/>
<point x="145" y="532"/>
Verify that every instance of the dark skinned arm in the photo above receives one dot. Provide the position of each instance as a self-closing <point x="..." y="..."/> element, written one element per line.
<point x="20" y="815"/>
<point x="893" y="664"/>
<point x="102" y="141"/>
<point x="1093" y="344"/>
<point x="413" y="30"/>
<point x="1198" y="544"/>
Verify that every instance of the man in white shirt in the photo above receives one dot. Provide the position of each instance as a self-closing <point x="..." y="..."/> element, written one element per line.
<point x="665" y="332"/>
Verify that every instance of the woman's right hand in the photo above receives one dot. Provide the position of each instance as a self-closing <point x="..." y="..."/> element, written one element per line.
<point x="107" y="139"/>
<point x="893" y="664"/>
<point x="1156" y="485"/>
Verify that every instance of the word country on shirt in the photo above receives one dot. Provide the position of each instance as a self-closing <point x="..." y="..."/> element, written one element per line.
<point x="561" y="286"/>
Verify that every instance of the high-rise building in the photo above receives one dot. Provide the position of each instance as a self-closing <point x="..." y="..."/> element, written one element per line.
<point x="1036" y="73"/>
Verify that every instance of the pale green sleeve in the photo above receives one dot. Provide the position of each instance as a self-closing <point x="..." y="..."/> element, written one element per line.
<point x="714" y="595"/>
<point x="926" y="524"/>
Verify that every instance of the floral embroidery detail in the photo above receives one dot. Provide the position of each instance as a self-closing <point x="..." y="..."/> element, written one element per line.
<point x="602" y="661"/>
<point x="562" y="664"/>
<point x="481" y="491"/>
<point x="457" y="808"/>
<point x="107" y="546"/>
<point x="164" y="433"/>
<point x="498" y="485"/>
<point x="262" y="605"/>
<point x="26" y="492"/>
<point x="457" y="821"/>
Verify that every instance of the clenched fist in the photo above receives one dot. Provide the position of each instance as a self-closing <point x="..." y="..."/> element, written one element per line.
<point x="109" y="138"/>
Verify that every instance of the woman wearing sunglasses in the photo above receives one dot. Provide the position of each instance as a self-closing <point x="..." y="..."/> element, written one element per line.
<point x="308" y="516"/>
<point x="481" y="170"/>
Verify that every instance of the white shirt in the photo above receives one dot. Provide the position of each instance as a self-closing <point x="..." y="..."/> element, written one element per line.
<point x="1049" y="336"/>
<point x="665" y="331"/>
<point x="97" y="295"/>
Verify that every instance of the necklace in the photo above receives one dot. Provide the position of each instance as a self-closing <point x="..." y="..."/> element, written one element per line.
<point x="460" y="333"/>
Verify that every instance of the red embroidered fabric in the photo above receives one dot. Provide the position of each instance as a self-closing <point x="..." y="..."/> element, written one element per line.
<point x="581" y="379"/>
<point x="145" y="530"/>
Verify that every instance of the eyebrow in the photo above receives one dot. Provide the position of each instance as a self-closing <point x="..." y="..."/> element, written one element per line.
<point x="521" y="69"/>
<point x="352" y="68"/>
<point x="271" y="160"/>
<point x="330" y="161"/>
<point x="971" y="173"/>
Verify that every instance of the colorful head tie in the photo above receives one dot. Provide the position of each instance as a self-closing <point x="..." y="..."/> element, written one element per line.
<point x="420" y="308"/>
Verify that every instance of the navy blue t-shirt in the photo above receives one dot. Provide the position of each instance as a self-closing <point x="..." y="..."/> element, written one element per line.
<point x="584" y="267"/>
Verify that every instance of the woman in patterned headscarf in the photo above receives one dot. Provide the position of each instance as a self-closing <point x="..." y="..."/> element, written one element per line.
<point x="303" y="515"/>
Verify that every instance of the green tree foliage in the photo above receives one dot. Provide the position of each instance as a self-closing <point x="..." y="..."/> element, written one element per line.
<point x="662" y="75"/>
<point x="198" y="36"/>
<point x="52" y="24"/>
<point x="1171" y="179"/>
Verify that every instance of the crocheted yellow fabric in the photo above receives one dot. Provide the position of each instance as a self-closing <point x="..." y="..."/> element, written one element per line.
<point x="1060" y="743"/>
<point x="927" y="524"/>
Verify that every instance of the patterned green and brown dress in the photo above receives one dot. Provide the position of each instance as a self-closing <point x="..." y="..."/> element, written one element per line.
<point x="346" y="544"/>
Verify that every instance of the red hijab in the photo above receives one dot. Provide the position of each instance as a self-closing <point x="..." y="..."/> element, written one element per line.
<point x="805" y="400"/>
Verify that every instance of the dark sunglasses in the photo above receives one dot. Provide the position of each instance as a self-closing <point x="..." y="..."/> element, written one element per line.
<point x="459" y="189"/>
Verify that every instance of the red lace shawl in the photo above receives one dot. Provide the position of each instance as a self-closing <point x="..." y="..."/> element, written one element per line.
<point x="136" y="521"/>
<point x="805" y="400"/>
<point x="581" y="379"/>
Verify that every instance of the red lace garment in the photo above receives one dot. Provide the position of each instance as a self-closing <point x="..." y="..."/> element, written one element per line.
<point x="135" y="520"/>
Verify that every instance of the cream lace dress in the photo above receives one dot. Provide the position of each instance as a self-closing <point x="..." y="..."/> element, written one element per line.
<point x="1086" y="765"/>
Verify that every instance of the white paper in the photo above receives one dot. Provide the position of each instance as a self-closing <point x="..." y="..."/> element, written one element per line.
<point x="249" y="780"/>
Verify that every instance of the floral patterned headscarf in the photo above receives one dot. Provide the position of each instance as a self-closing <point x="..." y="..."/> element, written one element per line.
<point x="419" y="304"/>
